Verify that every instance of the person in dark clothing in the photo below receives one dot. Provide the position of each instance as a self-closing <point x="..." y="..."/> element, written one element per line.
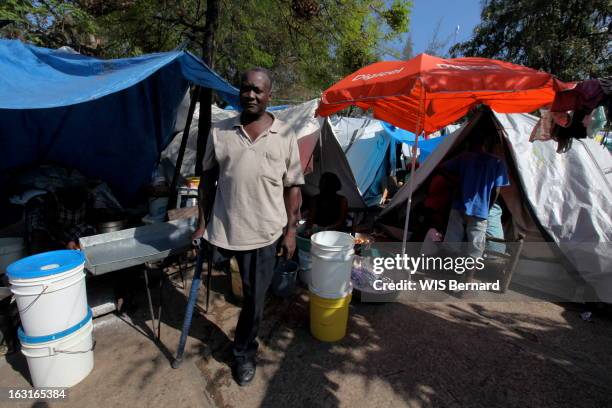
<point x="328" y="210"/>
<point x="57" y="220"/>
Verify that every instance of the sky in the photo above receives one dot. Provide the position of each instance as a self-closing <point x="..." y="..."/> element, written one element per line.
<point x="426" y="14"/>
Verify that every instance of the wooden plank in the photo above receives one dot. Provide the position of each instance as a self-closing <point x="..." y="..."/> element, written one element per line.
<point x="186" y="212"/>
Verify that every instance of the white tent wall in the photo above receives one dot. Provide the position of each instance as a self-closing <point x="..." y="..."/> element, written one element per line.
<point x="366" y="146"/>
<point x="568" y="194"/>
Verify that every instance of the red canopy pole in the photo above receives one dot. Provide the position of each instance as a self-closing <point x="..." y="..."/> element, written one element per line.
<point x="412" y="171"/>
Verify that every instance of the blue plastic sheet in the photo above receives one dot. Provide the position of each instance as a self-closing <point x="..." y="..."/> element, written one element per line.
<point x="109" y="119"/>
<point x="426" y="145"/>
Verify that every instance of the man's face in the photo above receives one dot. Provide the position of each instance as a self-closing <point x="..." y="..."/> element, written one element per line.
<point x="255" y="92"/>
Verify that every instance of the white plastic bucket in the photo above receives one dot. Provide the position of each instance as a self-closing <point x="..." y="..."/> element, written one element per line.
<point x="55" y="301"/>
<point x="348" y="291"/>
<point x="11" y="250"/>
<point x="332" y="259"/>
<point x="62" y="362"/>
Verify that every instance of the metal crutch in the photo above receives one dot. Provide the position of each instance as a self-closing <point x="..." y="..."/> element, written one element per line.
<point x="193" y="297"/>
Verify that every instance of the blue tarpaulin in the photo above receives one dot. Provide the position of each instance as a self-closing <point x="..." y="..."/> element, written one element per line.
<point x="109" y="119"/>
<point x="426" y="145"/>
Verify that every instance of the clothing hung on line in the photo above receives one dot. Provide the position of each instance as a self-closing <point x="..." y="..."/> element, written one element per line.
<point x="586" y="95"/>
<point x="581" y="100"/>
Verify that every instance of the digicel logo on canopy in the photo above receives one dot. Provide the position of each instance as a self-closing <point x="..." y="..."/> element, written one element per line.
<point x="469" y="67"/>
<point x="367" y="77"/>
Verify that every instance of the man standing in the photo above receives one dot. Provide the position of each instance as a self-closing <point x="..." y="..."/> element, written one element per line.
<point x="480" y="177"/>
<point x="254" y="211"/>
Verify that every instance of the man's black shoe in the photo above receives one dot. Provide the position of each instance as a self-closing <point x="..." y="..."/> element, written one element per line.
<point x="244" y="371"/>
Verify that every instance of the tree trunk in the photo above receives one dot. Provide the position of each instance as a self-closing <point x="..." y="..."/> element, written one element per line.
<point x="208" y="50"/>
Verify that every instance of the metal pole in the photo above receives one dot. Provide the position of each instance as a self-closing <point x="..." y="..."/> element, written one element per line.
<point x="412" y="171"/>
<point x="193" y="297"/>
<point x="409" y="201"/>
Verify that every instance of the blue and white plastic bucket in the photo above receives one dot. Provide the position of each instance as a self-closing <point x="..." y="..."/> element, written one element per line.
<point x="61" y="359"/>
<point x="49" y="289"/>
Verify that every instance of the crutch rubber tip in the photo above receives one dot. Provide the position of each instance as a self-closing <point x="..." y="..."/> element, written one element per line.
<point x="177" y="363"/>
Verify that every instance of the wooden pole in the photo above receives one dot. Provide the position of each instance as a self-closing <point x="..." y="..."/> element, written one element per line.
<point x="183" y="147"/>
<point x="208" y="50"/>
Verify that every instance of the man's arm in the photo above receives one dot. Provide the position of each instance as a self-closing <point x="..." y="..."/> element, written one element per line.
<point x="206" y="198"/>
<point x="293" y="197"/>
<point x="501" y="180"/>
<point x="494" y="196"/>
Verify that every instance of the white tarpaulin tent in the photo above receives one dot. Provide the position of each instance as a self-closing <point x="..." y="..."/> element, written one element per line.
<point x="366" y="146"/>
<point x="568" y="196"/>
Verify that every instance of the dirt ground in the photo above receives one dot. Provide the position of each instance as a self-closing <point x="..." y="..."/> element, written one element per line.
<point x="468" y="354"/>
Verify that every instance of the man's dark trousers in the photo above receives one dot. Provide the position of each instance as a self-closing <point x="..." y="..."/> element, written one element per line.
<point x="256" y="270"/>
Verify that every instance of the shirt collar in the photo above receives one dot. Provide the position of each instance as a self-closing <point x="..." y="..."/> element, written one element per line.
<point x="273" y="128"/>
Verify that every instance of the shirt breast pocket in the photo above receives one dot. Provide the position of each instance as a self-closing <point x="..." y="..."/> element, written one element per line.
<point x="273" y="167"/>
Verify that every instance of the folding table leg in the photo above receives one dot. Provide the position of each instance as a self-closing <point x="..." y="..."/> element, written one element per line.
<point x="146" y="276"/>
<point x="208" y="276"/>
<point x="161" y="303"/>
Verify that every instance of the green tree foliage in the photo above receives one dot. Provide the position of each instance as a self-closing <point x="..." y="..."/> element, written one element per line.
<point x="50" y="23"/>
<point x="571" y="39"/>
<point x="308" y="44"/>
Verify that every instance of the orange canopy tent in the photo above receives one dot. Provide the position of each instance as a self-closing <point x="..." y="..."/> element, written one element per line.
<point x="426" y="93"/>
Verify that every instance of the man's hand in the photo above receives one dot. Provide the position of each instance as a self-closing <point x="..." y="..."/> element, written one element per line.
<point x="287" y="247"/>
<point x="293" y="199"/>
<point x="73" y="245"/>
<point x="198" y="233"/>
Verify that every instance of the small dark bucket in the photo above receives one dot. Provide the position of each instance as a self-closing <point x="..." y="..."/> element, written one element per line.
<point x="285" y="275"/>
